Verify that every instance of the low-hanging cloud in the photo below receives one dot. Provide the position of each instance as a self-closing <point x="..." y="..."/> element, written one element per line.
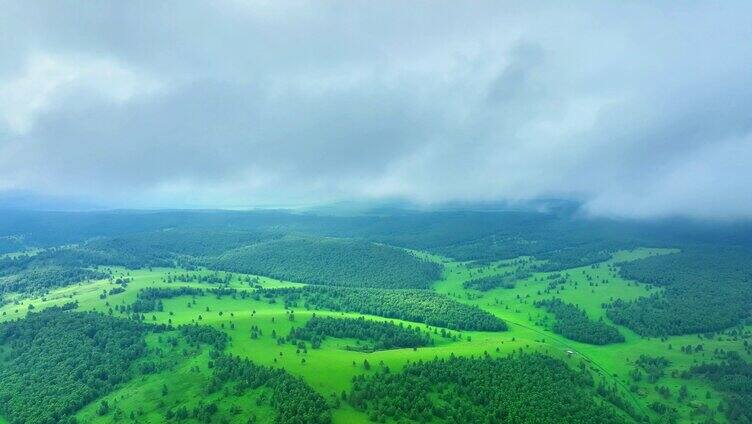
<point x="636" y="109"/>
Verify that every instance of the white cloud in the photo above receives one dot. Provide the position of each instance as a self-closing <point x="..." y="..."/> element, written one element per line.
<point x="629" y="108"/>
<point x="49" y="78"/>
<point x="710" y="182"/>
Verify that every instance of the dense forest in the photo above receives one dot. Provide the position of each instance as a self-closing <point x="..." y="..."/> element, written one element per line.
<point x="54" y="362"/>
<point x="703" y="290"/>
<point x="170" y="242"/>
<point x="47" y="229"/>
<point x="294" y="400"/>
<point x="332" y="262"/>
<point x="468" y="234"/>
<point x="380" y="334"/>
<point x="573" y="323"/>
<point x="523" y="388"/>
<point x="557" y="253"/>
<point x="163" y="248"/>
<point x="422" y="306"/>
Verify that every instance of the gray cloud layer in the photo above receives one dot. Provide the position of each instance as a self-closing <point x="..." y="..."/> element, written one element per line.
<point x="638" y="109"/>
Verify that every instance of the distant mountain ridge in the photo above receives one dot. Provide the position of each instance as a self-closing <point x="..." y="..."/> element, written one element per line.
<point x="27" y="200"/>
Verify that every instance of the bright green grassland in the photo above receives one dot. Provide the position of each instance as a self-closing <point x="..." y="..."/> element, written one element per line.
<point x="330" y="369"/>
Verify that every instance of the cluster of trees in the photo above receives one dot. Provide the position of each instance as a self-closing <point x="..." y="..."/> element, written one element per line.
<point x="733" y="377"/>
<point x="573" y="323"/>
<point x="168" y="292"/>
<point x="654" y="366"/>
<point x="194" y="277"/>
<point x="294" y="401"/>
<point x="382" y="335"/>
<point x="196" y="335"/>
<point x="150" y="299"/>
<point x="57" y="362"/>
<point x="223" y="291"/>
<point x="202" y="412"/>
<point x="555" y="280"/>
<point x="522" y="388"/>
<point x="422" y="306"/>
<point x="332" y="262"/>
<point x="492" y="282"/>
<point x="704" y="290"/>
<point x="116" y="290"/>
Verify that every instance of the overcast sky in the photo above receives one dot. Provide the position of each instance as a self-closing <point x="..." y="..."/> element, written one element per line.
<point x="636" y="109"/>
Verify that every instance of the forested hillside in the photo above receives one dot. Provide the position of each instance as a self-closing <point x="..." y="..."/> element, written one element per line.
<point x="332" y="262"/>
<point x="41" y="279"/>
<point x="161" y="248"/>
<point x="410" y="305"/>
<point x="55" y="362"/>
<point x="470" y="390"/>
<point x="38" y="273"/>
<point x="559" y="235"/>
<point x="704" y="290"/>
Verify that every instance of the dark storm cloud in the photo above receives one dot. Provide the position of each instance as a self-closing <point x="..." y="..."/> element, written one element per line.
<point x="636" y="109"/>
